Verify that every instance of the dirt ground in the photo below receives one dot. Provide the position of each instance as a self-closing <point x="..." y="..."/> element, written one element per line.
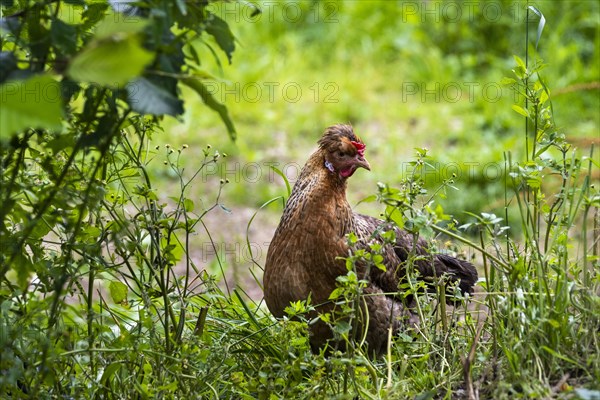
<point x="242" y="264"/>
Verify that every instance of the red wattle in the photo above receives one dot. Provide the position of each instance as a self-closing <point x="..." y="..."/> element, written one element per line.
<point x="347" y="172"/>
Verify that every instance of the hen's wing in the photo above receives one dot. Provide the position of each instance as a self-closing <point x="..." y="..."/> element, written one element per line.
<point x="429" y="266"/>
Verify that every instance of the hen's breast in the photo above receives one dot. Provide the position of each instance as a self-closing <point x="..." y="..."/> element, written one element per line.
<point x="302" y="257"/>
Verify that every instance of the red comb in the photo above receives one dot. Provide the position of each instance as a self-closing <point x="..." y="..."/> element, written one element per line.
<point x="360" y="147"/>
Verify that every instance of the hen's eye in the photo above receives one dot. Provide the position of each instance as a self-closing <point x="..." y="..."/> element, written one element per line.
<point x="341" y="154"/>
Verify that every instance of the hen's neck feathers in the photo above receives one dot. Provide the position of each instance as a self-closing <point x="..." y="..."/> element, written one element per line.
<point x="317" y="195"/>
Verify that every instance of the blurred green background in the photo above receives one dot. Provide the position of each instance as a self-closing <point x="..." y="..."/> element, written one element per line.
<point x="405" y="74"/>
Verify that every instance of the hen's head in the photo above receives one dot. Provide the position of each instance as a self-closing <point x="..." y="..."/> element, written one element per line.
<point x="343" y="151"/>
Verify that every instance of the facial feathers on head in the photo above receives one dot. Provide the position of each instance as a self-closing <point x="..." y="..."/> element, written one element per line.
<point x="340" y="135"/>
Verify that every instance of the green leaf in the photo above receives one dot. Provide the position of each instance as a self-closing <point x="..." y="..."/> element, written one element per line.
<point x="71" y="11"/>
<point x="211" y="102"/>
<point x="118" y="24"/>
<point x="395" y="215"/>
<point x="193" y="54"/>
<point x="543" y="97"/>
<point x="33" y="103"/>
<point x="352" y="238"/>
<point x="541" y="24"/>
<point x="222" y="34"/>
<point x="188" y="205"/>
<point x="368" y="199"/>
<point x="521" y="70"/>
<point x="251" y="315"/>
<point x="24" y="268"/>
<point x="337" y="292"/>
<point x="109" y="371"/>
<point x="559" y="355"/>
<point x="202" y="74"/>
<point x="147" y="98"/>
<point x="555" y="324"/>
<point x="542" y="149"/>
<point x="520" y="62"/>
<point x="521" y="110"/>
<point x="110" y="62"/>
<point x="534" y="182"/>
<point x="342" y="327"/>
<point x="92" y="231"/>
<point x="507" y="81"/>
<point x="60" y="143"/>
<point x="118" y="291"/>
<point x="64" y="36"/>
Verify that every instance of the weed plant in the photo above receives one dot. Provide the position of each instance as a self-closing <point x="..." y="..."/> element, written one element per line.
<point x="132" y="324"/>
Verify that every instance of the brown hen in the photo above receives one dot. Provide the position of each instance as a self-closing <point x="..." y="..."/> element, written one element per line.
<point x="304" y="256"/>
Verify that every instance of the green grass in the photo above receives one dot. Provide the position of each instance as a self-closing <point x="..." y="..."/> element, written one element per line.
<point x="372" y="55"/>
<point x="531" y="341"/>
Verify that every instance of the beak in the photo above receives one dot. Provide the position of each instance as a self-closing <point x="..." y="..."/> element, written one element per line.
<point x="362" y="162"/>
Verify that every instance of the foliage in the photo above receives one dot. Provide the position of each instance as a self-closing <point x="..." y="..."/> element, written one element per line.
<point x="83" y="87"/>
<point x="122" y="309"/>
<point x="97" y="82"/>
<point x="99" y="294"/>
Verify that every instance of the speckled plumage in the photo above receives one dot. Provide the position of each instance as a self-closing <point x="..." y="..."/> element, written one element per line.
<point x="303" y="256"/>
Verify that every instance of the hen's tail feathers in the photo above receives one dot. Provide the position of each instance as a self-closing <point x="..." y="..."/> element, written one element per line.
<point x="460" y="270"/>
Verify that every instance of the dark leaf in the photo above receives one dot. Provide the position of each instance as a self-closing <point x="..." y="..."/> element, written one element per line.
<point x="88" y="113"/>
<point x="145" y="97"/>
<point x="222" y="34"/>
<point x="9" y="25"/>
<point x="257" y="11"/>
<point x="60" y="143"/>
<point x="103" y="130"/>
<point x="170" y="63"/>
<point x="109" y="371"/>
<point x="68" y="89"/>
<point x="210" y="101"/>
<point x="39" y="38"/>
<point x="93" y="13"/>
<point x="8" y="64"/>
<point x="64" y="37"/>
